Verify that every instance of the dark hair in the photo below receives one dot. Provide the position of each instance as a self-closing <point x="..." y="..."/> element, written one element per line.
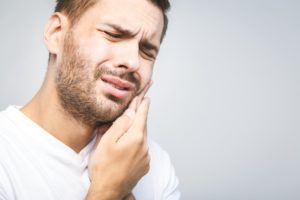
<point x="74" y="9"/>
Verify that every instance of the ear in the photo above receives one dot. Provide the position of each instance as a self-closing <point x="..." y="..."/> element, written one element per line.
<point x="54" y="32"/>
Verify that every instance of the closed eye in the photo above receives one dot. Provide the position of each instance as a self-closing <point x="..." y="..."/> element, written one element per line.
<point x="148" y="55"/>
<point x="113" y="35"/>
<point x="149" y="50"/>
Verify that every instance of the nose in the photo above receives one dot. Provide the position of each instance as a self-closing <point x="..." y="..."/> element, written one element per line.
<point x="127" y="56"/>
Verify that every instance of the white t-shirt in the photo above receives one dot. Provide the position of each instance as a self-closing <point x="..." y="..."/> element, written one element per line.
<point x="34" y="165"/>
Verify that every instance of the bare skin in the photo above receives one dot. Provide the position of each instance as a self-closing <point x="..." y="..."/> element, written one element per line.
<point x="120" y="157"/>
<point x="125" y="143"/>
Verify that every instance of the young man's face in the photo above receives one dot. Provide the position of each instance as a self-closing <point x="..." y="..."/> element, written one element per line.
<point x="108" y="58"/>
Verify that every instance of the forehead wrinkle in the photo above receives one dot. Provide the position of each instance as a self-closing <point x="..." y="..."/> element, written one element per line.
<point x="153" y="22"/>
<point x="122" y="29"/>
<point x="145" y="20"/>
<point x="150" y="17"/>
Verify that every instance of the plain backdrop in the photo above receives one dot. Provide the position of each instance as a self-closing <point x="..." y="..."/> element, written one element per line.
<point x="226" y="93"/>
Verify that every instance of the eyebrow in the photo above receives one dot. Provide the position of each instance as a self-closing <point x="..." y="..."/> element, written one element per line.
<point x="128" y="33"/>
<point x="121" y="30"/>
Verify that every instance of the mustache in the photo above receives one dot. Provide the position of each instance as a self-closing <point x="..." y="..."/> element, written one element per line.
<point x="121" y="73"/>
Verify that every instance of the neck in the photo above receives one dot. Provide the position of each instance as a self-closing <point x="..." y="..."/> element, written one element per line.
<point x="45" y="110"/>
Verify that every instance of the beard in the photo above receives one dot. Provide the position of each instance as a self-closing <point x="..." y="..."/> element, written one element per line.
<point x="76" y="85"/>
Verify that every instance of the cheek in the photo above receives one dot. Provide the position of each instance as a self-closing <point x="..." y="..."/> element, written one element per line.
<point x="95" y="50"/>
<point x="146" y="74"/>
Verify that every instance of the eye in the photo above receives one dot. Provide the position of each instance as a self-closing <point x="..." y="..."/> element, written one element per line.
<point x="148" y="55"/>
<point x="113" y="35"/>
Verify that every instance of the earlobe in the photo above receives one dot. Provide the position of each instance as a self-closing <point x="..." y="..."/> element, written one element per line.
<point x="54" y="32"/>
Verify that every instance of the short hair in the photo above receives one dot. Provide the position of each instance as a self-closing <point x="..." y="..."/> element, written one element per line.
<point x="74" y="9"/>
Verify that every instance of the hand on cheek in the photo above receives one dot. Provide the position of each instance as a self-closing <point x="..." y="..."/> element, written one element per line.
<point x="120" y="158"/>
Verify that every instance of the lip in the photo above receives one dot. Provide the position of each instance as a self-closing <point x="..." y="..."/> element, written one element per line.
<point x="116" y="86"/>
<point x="120" y="83"/>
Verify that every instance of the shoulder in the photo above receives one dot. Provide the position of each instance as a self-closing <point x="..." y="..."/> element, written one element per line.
<point x="156" y="150"/>
<point x="4" y="185"/>
<point x="10" y="140"/>
<point x="6" y="190"/>
<point x="161" y="181"/>
<point x="163" y="171"/>
<point x="7" y="128"/>
<point x="158" y="155"/>
<point x="6" y="116"/>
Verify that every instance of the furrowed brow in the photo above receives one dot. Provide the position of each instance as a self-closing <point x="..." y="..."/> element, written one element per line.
<point x="128" y="33"/>
<point x="121" y="30"/>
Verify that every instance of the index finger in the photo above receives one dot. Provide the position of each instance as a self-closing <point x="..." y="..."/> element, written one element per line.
<point x="123" y="123"/>
<point x="140" y="120"/>
<point x="144" y="91"/>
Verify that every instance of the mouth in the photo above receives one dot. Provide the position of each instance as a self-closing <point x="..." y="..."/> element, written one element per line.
<point x="116" y="86"/>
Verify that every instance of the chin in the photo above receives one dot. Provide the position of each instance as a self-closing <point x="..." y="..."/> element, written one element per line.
<point x="110" y="109"/>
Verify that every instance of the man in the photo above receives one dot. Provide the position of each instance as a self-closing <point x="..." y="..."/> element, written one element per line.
<point x="84" y="134"/>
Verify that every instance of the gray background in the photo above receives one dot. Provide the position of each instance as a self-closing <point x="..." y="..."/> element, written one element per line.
<point x="225" y="99"/>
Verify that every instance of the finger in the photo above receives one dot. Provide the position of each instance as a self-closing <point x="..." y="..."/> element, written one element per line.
<point x="143" y="92"/>
<point x="130" y="111"/>
<point x="121" y="124"/>
<point x="140" y="120"/>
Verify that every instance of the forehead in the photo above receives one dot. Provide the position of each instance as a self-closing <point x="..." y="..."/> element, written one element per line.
<point x="136" y="15"/>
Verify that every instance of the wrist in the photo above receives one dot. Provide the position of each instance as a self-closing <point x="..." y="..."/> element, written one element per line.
<point x="98" y="191"/>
